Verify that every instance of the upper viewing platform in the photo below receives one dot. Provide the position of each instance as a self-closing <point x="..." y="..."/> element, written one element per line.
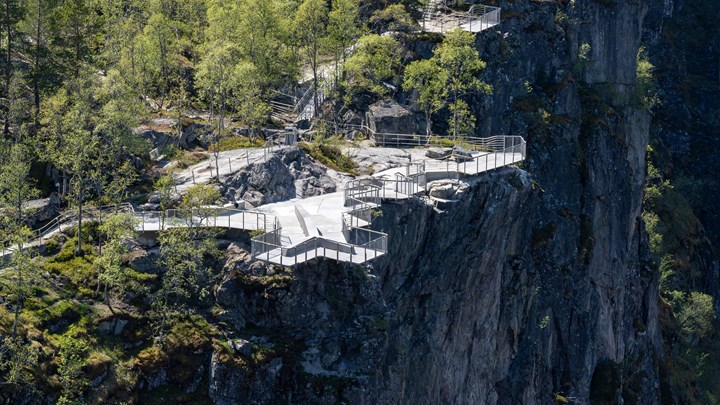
<point x="440" y="18"/>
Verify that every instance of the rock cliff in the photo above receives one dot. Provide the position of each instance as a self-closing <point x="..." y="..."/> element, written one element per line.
<point x="536" y="284"/>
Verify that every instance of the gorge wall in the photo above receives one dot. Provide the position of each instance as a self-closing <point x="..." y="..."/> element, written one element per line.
<point x="535" y="285"/>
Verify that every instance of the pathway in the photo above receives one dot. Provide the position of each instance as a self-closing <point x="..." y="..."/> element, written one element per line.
<point x="333" y="225"/>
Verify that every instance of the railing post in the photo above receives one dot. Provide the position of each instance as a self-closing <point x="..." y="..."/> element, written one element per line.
<point x="193" y="175"/>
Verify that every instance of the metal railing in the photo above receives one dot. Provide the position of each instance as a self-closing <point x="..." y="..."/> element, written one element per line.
<point x="213" y="217"/>
<point x="90" y="212"/>
<point x="318" y="247"/>
<point x="438" y="17"/>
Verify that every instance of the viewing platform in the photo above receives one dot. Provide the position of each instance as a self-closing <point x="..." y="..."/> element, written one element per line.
<point x="334" y="225"/>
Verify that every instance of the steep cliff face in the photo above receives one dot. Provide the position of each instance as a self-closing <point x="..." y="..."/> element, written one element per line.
<point x="683" y="42"/>
<point x="536" y="284"/>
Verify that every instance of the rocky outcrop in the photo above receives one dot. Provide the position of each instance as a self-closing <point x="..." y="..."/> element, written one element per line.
<point x="389" y="117"/>
<point x="163" y="132"/>
<point x="529" y="285"/>
<point x="42" y="210"/>
<point x="287" y="174"/>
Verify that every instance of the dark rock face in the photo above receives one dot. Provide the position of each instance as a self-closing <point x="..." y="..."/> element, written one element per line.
<point x="287" y="174"/>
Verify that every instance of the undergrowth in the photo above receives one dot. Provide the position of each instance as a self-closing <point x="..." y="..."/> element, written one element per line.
<point x="331" y="156"/>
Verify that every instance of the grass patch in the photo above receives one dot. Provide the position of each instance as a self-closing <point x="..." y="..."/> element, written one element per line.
<point x="236" y="142"/>
<point x="189" y="158"/>
<point x="331" y="156"/>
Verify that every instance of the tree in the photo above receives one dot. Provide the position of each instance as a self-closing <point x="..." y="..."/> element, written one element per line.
<point x="36" y="27"/>
<point x="12" y="12"/>
<point x="392" y="18"/>
<point x="73" y="147"/>
<point x="696" y="315"/>
<point x="195" y="205"/>
<point x="214" y="77"/>
<point x="76" y="29"/>
<point x="15" y="186"/>
<point x="461" y="121"/>
<point x="116" y="230"/>
<point x="20" y="275"/>
<point x="18" y="358"/>
<point x="159" y="53"/>
<point x="343" y="29"/>
<point x="247" y="97"/>
<point x="73" y="356"/>
<point x="375" y="61"/>
<point x="186" y="272"/>
<point x="310" y="26"/>
<point x="84" y="130"/>
<point x="430" y="81"/>
<point x="263" y="34"/>
<point x="69" y="119"/>
<point x="164" y="187"/>
<point x="461" y="62"/>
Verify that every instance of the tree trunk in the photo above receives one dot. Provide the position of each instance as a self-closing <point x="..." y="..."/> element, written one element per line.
<point x="455" y="100"/>
<point x="36" y="76"/>
<point x="78" y="250"/>
<point x="20" y="298"/>
<point x="107" y="299"/>
<point x="428" y="124"/>
<point x="8" y="67"/>
<point x="313" y="63"/>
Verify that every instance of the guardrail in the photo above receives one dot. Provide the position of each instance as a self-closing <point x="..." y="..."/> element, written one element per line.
<point x="438" y="17"/>
<point x="64" y="219"/>
<point x="213" y="217"/>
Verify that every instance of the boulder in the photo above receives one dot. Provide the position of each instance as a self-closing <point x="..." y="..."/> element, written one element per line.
<point x="289" y="173"/>
<point x="460" y="154"/>
<point x="387" y="116"/>
<point x="442" y="189"/>
<point x="438" y="153"/>
<point x="149" y="207"/>
<point x="43" y="209"/>
<point x="241" y="346"/>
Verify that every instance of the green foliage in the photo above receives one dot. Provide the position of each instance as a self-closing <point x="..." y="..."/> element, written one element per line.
<point x="461" y="121"/>
<point x="460" y="63"/>
<point x="393" y="18"/>
<point x="696" y="315"/>
<point x="73" y="356"/>
<point x="117" y="230"/>
<point x="331" y="156"/>
<point x="343" y="29"/>
<point x="430" y="80"/>
<point x="184" y="255"/>
<point x="15" y="187"/>
<point x="645" y="87"/>
<point x="583" y="58"/>
<point x="237" y="142"/>
<point x="189" y="158"/>
<point x="200" y="195"/>
<point x="18" y="358"/>
<point x="376" y="60"/>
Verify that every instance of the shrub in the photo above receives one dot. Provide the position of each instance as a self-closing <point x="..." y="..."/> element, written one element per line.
<point x="331" y="156"/>
<point x="696" y="316"/>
